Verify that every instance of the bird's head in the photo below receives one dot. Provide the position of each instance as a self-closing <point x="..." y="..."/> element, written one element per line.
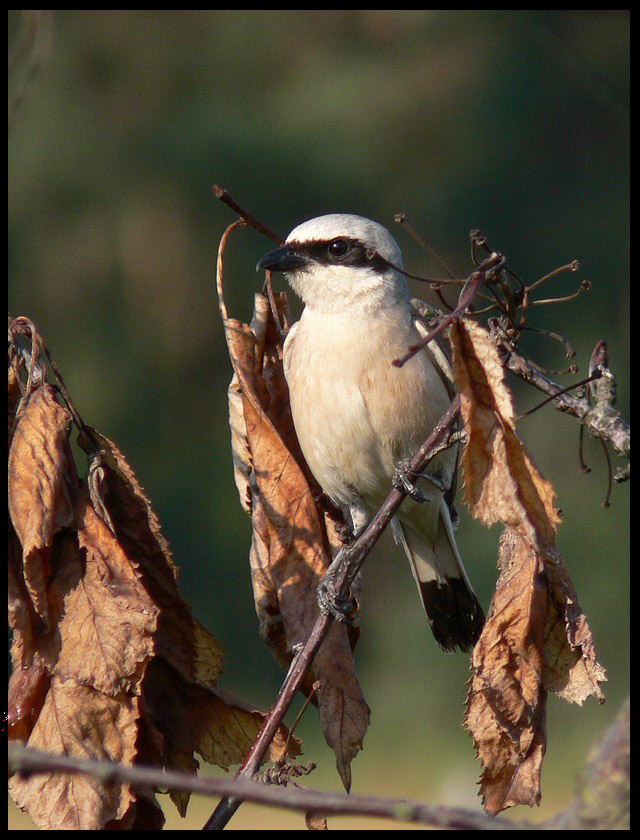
<point x="334" y="260"/>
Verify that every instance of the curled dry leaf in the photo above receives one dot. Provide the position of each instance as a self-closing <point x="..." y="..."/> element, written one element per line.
<point x="501" y="482"/>
<point x="109" y="662"/>
<point x="290" y="548"/>
<point x="507" y="701"/>
<point x="536" y="637"/>
<point x="37" y="472"/>
<point x="572" y="669"/>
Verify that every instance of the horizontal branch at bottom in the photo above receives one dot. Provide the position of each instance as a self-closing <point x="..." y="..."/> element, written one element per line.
<point x="25" y="760"/>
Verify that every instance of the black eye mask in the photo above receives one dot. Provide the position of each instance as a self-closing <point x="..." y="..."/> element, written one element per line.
<point x="341" y="250"/>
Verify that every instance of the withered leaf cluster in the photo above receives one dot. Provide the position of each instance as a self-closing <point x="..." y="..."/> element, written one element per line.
<point x="292" y="536"/>
<point x="536" y="638"/>
<point x="108" y="660"/>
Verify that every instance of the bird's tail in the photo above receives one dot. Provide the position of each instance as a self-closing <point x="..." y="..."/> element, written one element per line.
<point x="452" y="608"/>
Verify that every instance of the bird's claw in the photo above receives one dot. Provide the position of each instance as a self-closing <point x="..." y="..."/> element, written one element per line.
<point x="404" y="479"/>
<point x="340" y="607"/>
<point x="344" y="532"/>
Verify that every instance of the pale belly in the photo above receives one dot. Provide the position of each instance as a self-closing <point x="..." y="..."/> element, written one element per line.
<point x="356" y="414"/>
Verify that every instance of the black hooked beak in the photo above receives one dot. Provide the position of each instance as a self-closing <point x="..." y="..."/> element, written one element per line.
<point x="282" y="259"/>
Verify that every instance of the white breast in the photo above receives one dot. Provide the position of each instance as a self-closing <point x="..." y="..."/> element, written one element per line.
<point x="355" y="413"/>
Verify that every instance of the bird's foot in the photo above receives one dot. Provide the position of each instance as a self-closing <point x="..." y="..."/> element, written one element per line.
<point x="340" y="607"/>
<point x="344" y="532"/>
<point x="404" y="479"/>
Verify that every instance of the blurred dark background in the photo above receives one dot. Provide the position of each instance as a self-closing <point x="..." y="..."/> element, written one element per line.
<point x="514" y="122"/>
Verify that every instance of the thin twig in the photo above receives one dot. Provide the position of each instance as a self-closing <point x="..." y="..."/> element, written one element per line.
<point x="572" y="266"/>
<point x="402" y="219"/>
<point x="583" y="287"/>
<point x="220" y="266"/>
<point x="268" y="288"/>
<point x="373" y="254"/>
<point x="493" y="263"/>
<point x="606" y="502"/>
<point x="595" y="375"/>
<point x="249" y="218"/>
<point x="570" y="352"/>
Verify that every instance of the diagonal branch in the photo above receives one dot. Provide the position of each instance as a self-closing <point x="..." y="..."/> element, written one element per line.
<point x="354" y="555"/>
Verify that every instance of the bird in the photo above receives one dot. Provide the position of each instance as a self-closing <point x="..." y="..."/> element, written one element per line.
<point x="358" y="418"/>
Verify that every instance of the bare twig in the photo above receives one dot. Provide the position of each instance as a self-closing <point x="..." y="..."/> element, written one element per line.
<point x="402" y="219"/>
<point x="574" y="265"/>
<point x="566" y="390"/>
<point x="493" y="263"/>
<point x="601" y="801"/>
<point x="25" y="760"/>
<point x="220" y="266"/>
<point x="569" y="351"/>
<point x="268" y="288"/>
<point x="247" y="217"/>
<point x="584" y="286"/>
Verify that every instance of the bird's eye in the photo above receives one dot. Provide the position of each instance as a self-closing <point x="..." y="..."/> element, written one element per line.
<point x="338" y="248"/>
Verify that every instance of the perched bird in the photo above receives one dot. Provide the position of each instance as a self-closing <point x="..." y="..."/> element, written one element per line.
<point x="357" y="416"/>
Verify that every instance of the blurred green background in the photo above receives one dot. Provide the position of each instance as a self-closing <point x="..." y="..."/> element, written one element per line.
<point x="514" y="122"/>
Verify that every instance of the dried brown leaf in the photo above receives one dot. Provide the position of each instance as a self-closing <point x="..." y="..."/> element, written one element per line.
<point x="535" y="637"/>
<point x="123" y="506"/>
<point x="76" y="720"/>
<point x="22" y="617"/>
<point x="501" y="482"/>
<point x="39" y="503"/>
<point x="571" y="669"/>
<point x="239" y="446"/>
<point x="121" y="669"/>
<point x="204" y="719"/>
<point x="506" y="701"/>
<point x="107" y="619"/>
<point x="290" y="548"/>
<point x="13" y="391"/>
<point x="316" y="822"/>
<point x="28" y="689"/>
